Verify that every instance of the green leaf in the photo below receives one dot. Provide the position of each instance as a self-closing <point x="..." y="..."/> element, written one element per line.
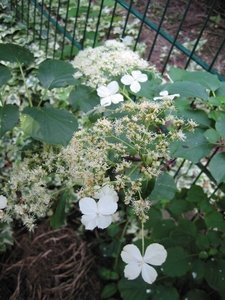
<point x="5" y="74"/>
<point x="195" y="193"/>
<point x="211" y="135"/>
<point x="202" y="241"/>
<point x="133" y="289"/>
<point x="215" y="275"/>
<point x="216" y="167"/>
<point x="14" y="53"/>
<point x="198" y="268"/>
<point x="187" y="89"/>
<point x="84" y="98"/>
<point x="177" y="262"/>
<point x="199" y="116"/>
<point x="220" y="125"/>
<point x="163" y="292"/>
<point x="107" y="274"/>
<point x="214" y="219"/>
<point x="162" y="228"/>
<point x="194" y="148"/>
<point x="165" y="188"/>
<point x="109" y="290"/>
<point x="59" y="217"/>
<point x="209" y="81"/>
<point x="154" y="215"/>
<point x="180" y="206"/>
<point x="9" y="116"/>
<point x="196" y="295"/>
<point x="185" y="231"/>
<point x="56" y="73"/>
<point x="49" y="125"/>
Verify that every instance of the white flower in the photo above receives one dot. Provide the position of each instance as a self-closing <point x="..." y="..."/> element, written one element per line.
<point x="133" y="80"/>
<point x="106" y="190"/>
<point x="128" y="40"/>
<point x="109" y="94"/>
<point x="165" y="96"/>
<point x="97" y="214"/>
<point x="155" y="255"/>
<point x="3" y="202"/>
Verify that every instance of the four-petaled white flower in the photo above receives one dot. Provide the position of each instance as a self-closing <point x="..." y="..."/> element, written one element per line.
<point x="108" y="94"/>
<point x="3" y="202"/>
<point x="106" y="190"/>
<point x="155" y="255"/>
<point x="97" y="214"/>
<point x="165" y="96"/>
<point x="133" y="80"/>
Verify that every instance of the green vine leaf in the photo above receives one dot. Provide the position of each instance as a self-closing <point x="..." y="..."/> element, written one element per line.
<point x="164" y="189"/>
<point x="15" y="54"/>
<point x="216" y="167"/>
<point x="215" y="275"/>
<point x="9" y="116"/>
<point x="179" y="258"/>
<point x="165" y="292"/>
<point x="5" y="74"/>
<point x="133" y="289"/>
<point x="49" y="125"/>
<point x="55" y="74"/>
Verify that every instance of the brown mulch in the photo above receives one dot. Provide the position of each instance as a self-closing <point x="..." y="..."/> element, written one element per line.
<point x="49" y="264"/>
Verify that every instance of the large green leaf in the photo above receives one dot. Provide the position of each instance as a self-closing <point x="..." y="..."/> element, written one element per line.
<point x="185" y="231"/>
<point x="49" y="125"/>
<point x="84" y="98"/>
<point x="55" y="73"/>
<point x="194" y="148"/>
<point x="210" y="81"/>
<point x="177" y="262"/>
<point x="164" y="189"/>
<point x="215" y="275"/>
<point x="133" y="289"/>
<point x="216" y="167"/>
<point x="9" y="116"/>
<point x="162" y="229"/>
<point x="14" y="53"/>
<point x="187" y="89"/>
<point x="214" y="219"/>
<point x="5" y="74"/>
<point x="196" y="295"/>
<point x="164" y="292"/>
<point x="220" y="125"/>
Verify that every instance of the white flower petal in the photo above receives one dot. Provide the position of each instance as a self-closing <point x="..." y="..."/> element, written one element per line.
<point x="142" y="78"/>
<point x="88" y="206"/>
<point x="106" y="190"/>
<point x="136" y="74"/>
<point x="148" y="273"/>
<point x="107" y="205"/>
<point x="89" y="221"/>
<point x="113" y="87"/>
<point x="164" y="93"/>
<point x="127" y="79"/>
<point x="116" y="98"/>
<point x="105" y="101"/>
<point x="3" y="202"/>
<point x="135" y="86"/>
<point x="155" y="254"/>
<point x="131" y="254"/>
<point x="157" y="98"/>
<point x="132" y="270"/>
<point x="103" y="91"/>
<point x="103" y="221"/>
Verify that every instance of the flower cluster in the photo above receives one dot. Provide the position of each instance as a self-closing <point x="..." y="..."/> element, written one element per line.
<point x="97" y="66"/>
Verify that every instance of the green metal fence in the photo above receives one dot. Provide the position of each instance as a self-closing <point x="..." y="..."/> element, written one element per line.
<point x="65" y="26"/>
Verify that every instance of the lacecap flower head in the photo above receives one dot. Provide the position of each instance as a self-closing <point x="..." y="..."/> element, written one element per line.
<point x="155" y="255"/>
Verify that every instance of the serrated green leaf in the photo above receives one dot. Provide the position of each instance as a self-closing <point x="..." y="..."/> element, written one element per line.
<point x="215" y="275"/>
<point x="202" y="241"/>
<point x="14" y="53"/>
<point x="133" y="289"/>
<point x="164" y="292"/>
<point x="107" y="274"/>
<point x="194" y="148"/>
<point x="164" y="189"/>
<point x="214" y="219"/>
<point x="154" y="215"/>
<point x="196" y="294"/>
<point x="220" y="125"/>
<point x="209" y="81"/>
<point x="216" y="167"/>
<point x="187" y="89"/>
<point x="198" y="269"/>
<point x="9" y="116"/>
<point x="211" y="135"/>
<point x="195" y="193"/>
<point x="109" y="290"/>
<point x="180" y="206"/>
<point x="5" y="74"/>
<point x="185" y="231"/>
<point x="56" y="73"/>
<point x="177" y="262"/>
<point x="59" y="217"/>
<point x="84" y="98"/>
<point x="49" y="125"/>
<point x="162" y="229"/>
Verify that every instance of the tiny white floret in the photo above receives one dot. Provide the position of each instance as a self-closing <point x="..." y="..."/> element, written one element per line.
<point x="134" y="79"/>
<point x="164" y="95"/>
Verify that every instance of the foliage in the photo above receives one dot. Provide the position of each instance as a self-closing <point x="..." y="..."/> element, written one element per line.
<point x="136" y="146"/>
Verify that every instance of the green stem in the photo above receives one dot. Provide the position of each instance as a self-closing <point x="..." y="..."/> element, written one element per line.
<point x="26" y="88"/>
<point x="42" y="99"/>
<point x="142" y="237"/>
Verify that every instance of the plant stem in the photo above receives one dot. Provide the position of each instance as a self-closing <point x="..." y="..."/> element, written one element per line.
<point x="26" y="88"/>
<point x="142" y="237"/>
